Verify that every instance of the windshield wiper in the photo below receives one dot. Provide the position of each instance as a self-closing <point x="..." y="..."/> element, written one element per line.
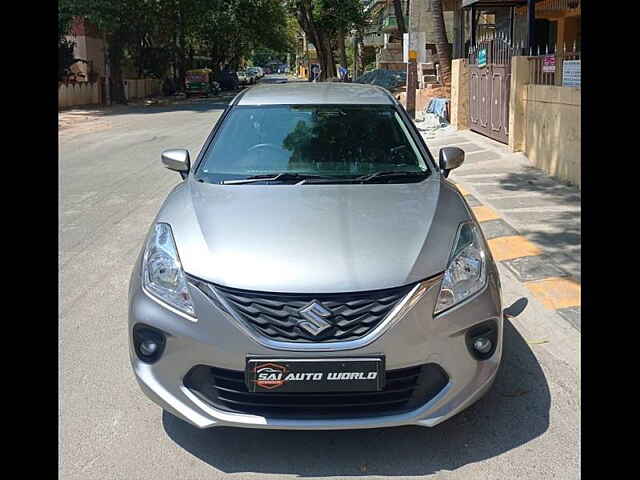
<point x="271" y="177"/>
<point x="390" y="173"/>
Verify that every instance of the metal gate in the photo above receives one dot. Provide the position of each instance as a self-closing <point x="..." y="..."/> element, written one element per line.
<point x="489" y="82"/>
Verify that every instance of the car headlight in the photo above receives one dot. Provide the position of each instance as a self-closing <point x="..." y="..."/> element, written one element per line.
<point x="466" y="273"/>
<point x="162" y="274"/>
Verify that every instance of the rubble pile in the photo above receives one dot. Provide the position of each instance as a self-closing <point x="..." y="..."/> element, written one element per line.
<point x="388" y="79"/>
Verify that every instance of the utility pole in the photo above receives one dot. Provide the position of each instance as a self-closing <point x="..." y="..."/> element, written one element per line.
<point x="416" y="40"/>
<point x="412" y="79"/>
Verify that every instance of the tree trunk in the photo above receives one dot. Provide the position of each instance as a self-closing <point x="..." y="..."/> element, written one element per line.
<point x="140" y="56"/>
<point x="328" y="66"/>
<point x="319" y="39"/>
<point x="191" y="55"/>
<point x="116" y="54"/>
<point x="181" y="49"/>
<point x="442" y="45"/>
<point x="360" y="53"/>
<point x="397" y="6"/>
<point x="342" y="51"/>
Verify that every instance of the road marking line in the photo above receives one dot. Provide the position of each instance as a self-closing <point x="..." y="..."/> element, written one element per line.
<point x="556" y="292"/>
<point x="515" y="246"/>
<point x="484" y="213"/>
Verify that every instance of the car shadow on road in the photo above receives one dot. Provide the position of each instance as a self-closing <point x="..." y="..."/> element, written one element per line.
<point x="514" y="412"/>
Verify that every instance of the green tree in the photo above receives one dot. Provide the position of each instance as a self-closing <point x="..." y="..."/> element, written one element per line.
<point x="156" y="34"/>
<point x="231" y="29"/>
<point x="325" y="23"/>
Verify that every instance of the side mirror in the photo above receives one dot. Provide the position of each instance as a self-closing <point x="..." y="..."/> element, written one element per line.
<point x="450" y="158"/>
<point x="177" y="160"/>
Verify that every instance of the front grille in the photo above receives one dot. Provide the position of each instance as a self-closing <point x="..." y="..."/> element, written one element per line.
<point x="277" y="315"/>
<point x="406" y="389"/>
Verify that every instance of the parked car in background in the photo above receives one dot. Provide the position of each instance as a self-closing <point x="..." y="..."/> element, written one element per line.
<point x="315" y="269"/>
<point x="255" y="71"/>
<point x="228" y="80"/>
<point x="243" y="77"/>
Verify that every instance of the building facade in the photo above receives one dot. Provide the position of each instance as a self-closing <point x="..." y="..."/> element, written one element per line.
<point x="89" y="47"/>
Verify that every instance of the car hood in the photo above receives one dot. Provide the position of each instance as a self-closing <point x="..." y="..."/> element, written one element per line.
<point x="314" y="238"/>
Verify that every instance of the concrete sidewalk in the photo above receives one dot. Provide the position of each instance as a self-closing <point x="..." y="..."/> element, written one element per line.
<point x="531" y="220"/>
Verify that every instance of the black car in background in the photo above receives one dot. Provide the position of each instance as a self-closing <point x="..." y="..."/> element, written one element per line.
<point x="228" y="80"/>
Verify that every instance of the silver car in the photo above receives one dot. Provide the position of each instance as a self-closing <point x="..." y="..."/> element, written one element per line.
<point x="315" y="269"/>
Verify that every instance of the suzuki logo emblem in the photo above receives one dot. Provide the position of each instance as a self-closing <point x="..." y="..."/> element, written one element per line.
<point x="313" y="318"/>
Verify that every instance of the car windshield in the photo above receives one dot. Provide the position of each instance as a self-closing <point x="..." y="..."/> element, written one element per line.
<point x="341" y="142"/>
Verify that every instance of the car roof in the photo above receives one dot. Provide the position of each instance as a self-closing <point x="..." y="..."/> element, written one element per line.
<point x="323" y="93"/>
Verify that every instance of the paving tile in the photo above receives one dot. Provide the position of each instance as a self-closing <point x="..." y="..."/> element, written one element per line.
<point x="469" y="147"/>
<point x="536" y="201"/>
<point x="497" y="228"/>
<point x="569" y="260"/>
<point x="463" y="190"/>
<point x="446" y="141"/>
<point x="480" y="156"/>
<point x="570" y="219"/>
<point x="536" y="267"/>
<point x="472" y="201"/>
<point x="469" y="171"/>
<point x="571" y="315"/>
<point x="484" y="213"/>
<point x="506" y="248"/>
<point x="559" y="239"/>
<point x="513" y="183"/>
<point x="556" y="293"/>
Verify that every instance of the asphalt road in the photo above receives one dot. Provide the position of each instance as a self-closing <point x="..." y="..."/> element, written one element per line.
<point x="112" y="184"/>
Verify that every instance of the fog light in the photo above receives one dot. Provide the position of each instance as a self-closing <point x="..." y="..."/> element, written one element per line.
<point x="482" y="339"/>
<point x="482" y="345"/>
<point x="148" y="342"/>
<point x="148" y="347"/>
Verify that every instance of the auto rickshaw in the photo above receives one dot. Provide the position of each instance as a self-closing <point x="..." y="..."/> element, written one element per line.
<point x="201" y="82"/>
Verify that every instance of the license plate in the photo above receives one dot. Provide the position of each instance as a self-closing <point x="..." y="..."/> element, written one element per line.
<point x="285" y="375"/>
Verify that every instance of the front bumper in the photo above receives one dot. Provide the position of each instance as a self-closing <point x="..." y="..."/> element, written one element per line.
<point x="217" y="340"/>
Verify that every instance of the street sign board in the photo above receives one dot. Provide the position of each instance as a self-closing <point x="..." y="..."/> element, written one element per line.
<point x="571" y="73"/>
<point x="549" y="64"/>
<point x="482" y="57"/>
